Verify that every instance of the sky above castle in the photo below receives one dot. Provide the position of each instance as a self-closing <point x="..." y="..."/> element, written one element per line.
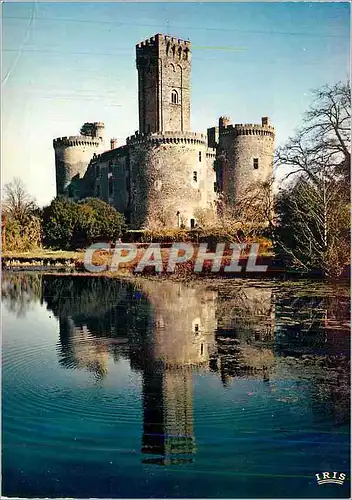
<point x="68" y="63"/>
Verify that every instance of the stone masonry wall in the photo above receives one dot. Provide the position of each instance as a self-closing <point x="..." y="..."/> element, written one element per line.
<point x="168" y="175"/>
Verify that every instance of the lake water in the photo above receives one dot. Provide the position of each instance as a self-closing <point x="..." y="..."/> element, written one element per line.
<point x="229" y="389"/>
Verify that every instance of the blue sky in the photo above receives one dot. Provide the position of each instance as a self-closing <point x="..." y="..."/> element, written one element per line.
<point x="68" y="63"/>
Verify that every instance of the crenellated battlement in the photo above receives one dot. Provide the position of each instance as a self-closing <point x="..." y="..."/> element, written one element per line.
<point x="168" y="138"/>
<point x="150" y="42"/>
<point x="226" y="128"/>
<point x="164" y="45"/>
<point x="76" y="140"/>
<point x="249" y="129"/>
<point x="159" y="38"/>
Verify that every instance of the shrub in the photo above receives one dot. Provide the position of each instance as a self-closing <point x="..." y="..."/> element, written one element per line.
<point x="68" y="224"/>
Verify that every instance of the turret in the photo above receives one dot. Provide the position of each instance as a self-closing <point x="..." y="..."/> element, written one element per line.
<point x="245" y="156"/>
<point x="72" y="156"/>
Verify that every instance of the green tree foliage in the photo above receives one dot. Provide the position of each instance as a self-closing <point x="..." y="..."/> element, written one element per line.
<point x="59" y="223"/>
<point x="313" y="209"/>
<point x="68" y="224"/>
<point x="88" y="129"/>
<point x="100" y="220"/>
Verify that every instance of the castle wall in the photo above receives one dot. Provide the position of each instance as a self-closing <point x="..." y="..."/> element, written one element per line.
<point x="107" y="178"/>
<point x="121" y="179"/>
<point x="210" y="183"/>
<point x="168" y="175"/>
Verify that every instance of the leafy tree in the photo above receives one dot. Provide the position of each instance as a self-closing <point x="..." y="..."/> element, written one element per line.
<point x="59" y="223"/>
<point x="68" y="224"/>
<point x="88" y="129"/>
<point x="101" y="219"/>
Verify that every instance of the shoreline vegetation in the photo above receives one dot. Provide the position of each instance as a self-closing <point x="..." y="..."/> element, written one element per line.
<point x="72" y="262"/>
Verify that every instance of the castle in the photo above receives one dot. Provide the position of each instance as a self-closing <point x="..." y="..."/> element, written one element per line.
<point x="165" y="173"/>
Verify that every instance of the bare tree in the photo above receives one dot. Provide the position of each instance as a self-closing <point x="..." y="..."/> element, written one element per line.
<point x="18" y="204"/>
<point x="313" y="210"/>
<point x="314" y="225"/>
<point x="324" y="138"/>
<point x="252" y="214"/>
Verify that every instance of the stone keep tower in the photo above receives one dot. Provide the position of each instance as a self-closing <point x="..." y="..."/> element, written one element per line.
<point x="72" y="156"/>
<point x="170" y="171"/>
<point x="163" y="65"/>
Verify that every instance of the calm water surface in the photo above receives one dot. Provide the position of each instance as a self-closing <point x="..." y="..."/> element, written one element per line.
<point x="229" y="389"/>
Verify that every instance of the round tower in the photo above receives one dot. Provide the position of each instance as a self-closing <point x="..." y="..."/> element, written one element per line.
<point x="72" y="156"/>
<point x="169" y="178"/>
<point x="245" y="155"/>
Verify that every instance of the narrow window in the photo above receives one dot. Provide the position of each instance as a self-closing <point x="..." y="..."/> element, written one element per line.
<point x="98" y="190"/>
<point x="195" y="176"/>
<point x="255" y="163"/>
<point x="174" y="97"/>
<point x="201" y="349"/>
<point x="200" y="156"/>
<point x="193" y="223"/>
<point x="215" y="187"/>
<point x="196" y="328"/>
<point x="111" y="187"/>
<point x="110" y="167"/>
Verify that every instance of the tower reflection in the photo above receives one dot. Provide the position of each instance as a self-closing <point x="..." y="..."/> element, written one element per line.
<point x="179" y="339"/>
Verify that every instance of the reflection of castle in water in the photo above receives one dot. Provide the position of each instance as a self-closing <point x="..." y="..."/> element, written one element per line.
<point x="168" y="330"/>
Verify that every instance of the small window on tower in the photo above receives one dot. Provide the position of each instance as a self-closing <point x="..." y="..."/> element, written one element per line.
<point x="174" y="97"/>
<point x="195" y="176"/>
<point x="255" y="163"/>
<point x="200" y="156"/>
<point x="111" y="187"/>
